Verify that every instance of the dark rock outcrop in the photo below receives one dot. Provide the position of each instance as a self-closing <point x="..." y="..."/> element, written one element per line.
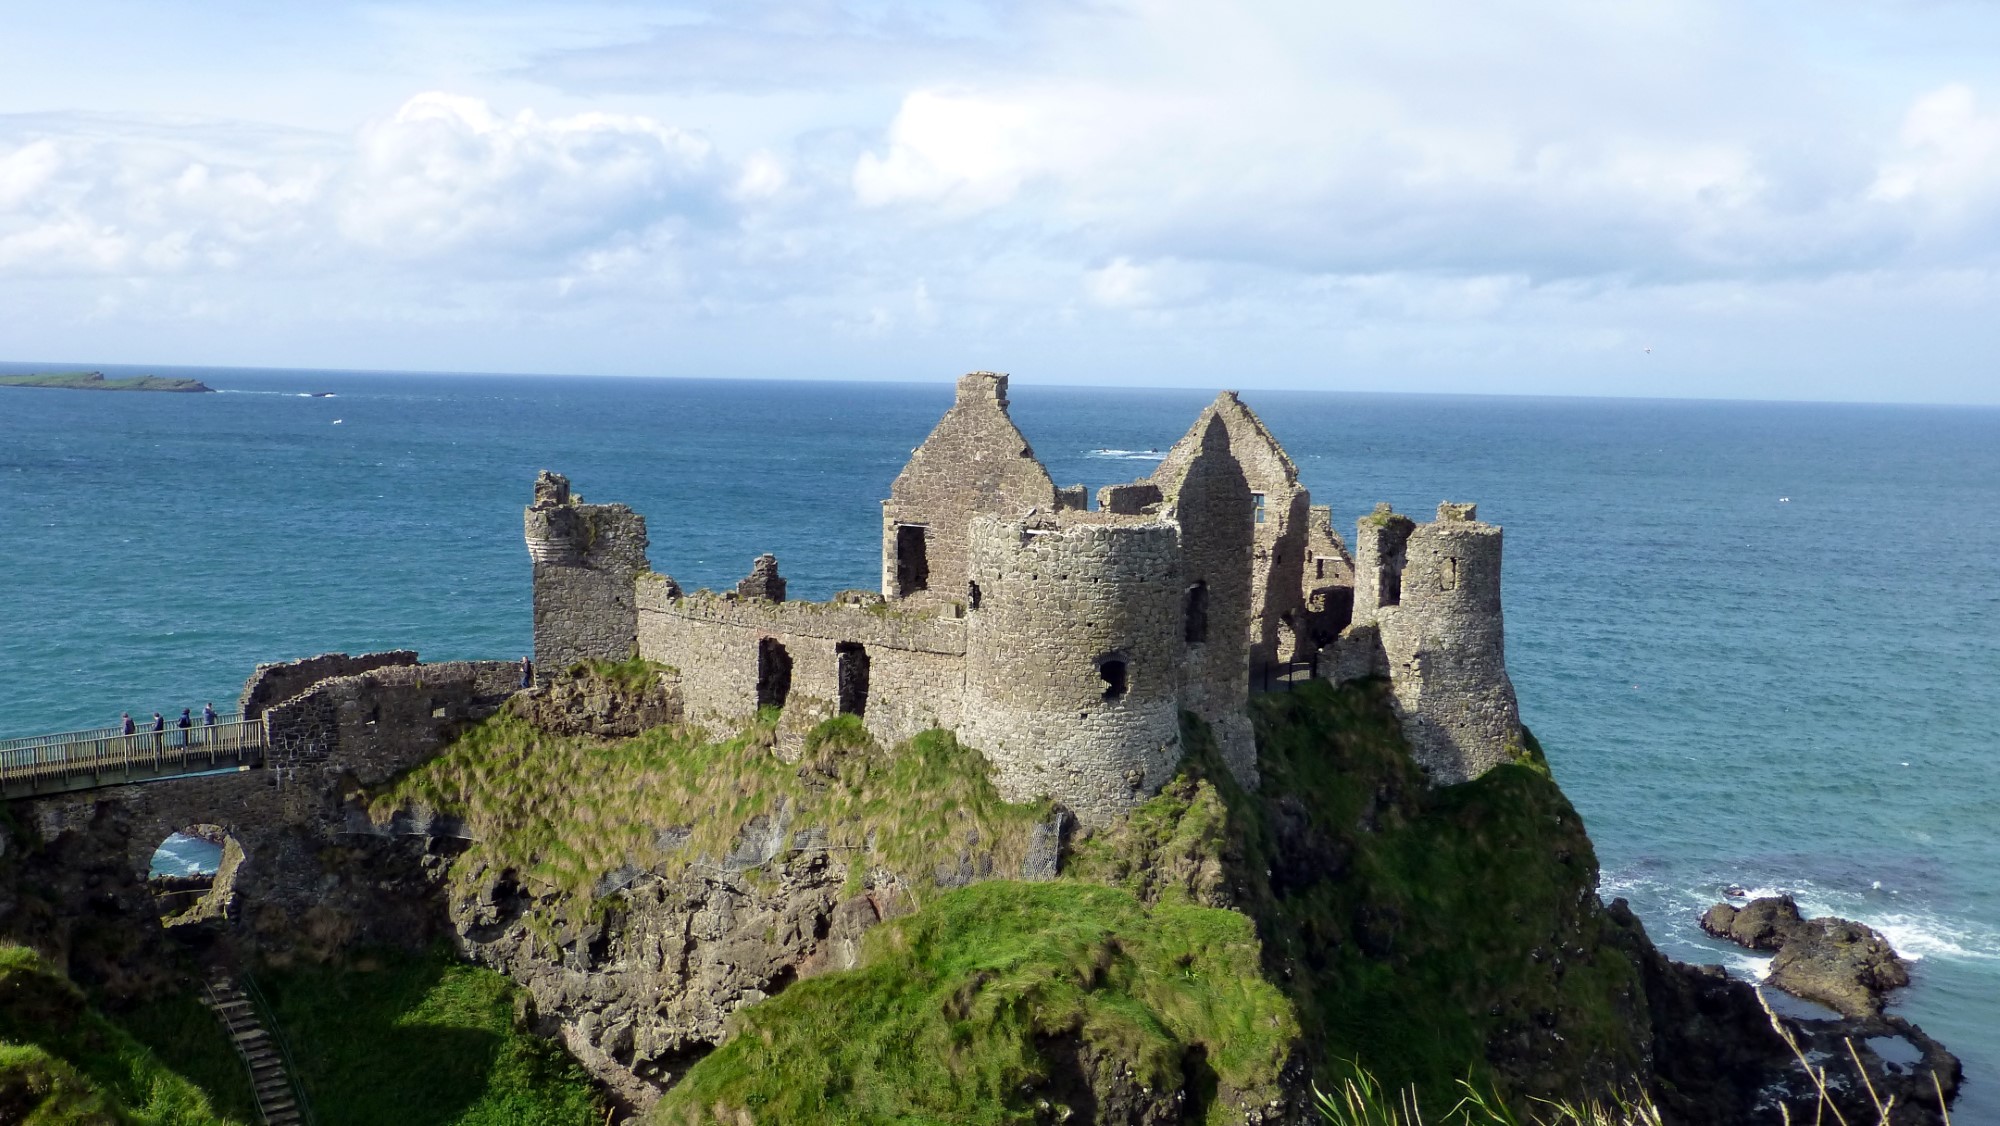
<point x="1841" y="964"/>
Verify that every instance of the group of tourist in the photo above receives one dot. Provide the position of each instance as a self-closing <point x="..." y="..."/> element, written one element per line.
<point x="182" y="727"/>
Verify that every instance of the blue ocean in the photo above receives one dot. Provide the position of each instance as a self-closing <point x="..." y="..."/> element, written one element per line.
<point x="1760" y="641"/>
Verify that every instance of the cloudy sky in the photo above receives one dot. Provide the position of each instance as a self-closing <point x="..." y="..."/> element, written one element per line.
<point x="1779" y="200"/>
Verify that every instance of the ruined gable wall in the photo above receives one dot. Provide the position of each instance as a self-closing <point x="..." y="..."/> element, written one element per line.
<point x="1278" y="549"/>
<point x="1211" y="503"/>
<point x="273" y="684"/>
<point x="915" y="659"/>
<point x="975" y="462"/>
<point x="1055" y="600"/>
<point x="585" y="558"/>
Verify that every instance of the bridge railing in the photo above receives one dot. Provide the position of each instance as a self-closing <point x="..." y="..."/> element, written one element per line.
<point x="110" y="756"/>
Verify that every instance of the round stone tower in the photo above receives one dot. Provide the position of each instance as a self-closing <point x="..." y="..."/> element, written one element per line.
<point x="1073" y="646"/>
<point x="1445" y="644"/>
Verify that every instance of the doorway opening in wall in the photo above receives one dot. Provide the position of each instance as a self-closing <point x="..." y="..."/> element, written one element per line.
<point x="1111" y="669"/>
<point x="972" y="595"/>
<point x="1197" y="613"/>
<point x="850" y="667"/>
<point x="913" y="564"/>
<point x="1448" y="574"/>
<point x="193" y="875"/>
<point x="774" y="673"/>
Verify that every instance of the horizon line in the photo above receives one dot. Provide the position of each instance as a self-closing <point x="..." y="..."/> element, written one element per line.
<point x="52" y="366"/>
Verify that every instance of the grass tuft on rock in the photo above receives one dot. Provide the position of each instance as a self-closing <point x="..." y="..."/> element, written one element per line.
<point x="1006" y="1002"/>
<point x="563" y="812"/>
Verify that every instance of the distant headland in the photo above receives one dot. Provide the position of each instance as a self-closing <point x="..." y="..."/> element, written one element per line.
<point x="95" y="381"/>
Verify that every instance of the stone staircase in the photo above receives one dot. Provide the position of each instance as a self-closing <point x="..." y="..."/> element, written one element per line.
<point x="277" y="1101"/>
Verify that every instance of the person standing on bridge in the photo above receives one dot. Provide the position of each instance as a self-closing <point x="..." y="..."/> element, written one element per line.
<point x="125" y="724"/>
<point x="208" y="714"/>
<point x="186" y="721"/>
<point x="159" y="725"/>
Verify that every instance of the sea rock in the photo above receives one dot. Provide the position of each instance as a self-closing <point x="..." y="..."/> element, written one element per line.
<point x="1841" y="964"/>
<point x="1762" y="924"/>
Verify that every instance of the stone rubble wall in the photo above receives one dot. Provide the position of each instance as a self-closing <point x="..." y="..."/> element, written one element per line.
<point x="377" y="724"/>
<point x="273" y="684"/>
<point x="1442" y="643"/>
<point x="586" y="557"/>
<point x="1056" y="599"/>
<point x="915" y="659"/>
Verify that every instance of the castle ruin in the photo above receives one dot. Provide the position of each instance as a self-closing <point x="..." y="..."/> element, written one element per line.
<point x="1063" y="641"/>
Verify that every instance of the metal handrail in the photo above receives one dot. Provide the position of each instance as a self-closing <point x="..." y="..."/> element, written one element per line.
<point x="277" y="1030"/>
<point x="175" y="749"/>
<point x="99" y="733"/>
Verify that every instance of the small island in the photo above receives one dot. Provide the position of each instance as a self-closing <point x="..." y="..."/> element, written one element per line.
<point x="95" y="381"/>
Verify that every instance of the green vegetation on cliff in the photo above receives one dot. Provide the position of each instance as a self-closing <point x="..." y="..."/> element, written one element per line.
<point x="420" y="1040"/>
<point x="1422" y="933"/>
<point x="1428" y="935"/>
<point x="63" y="1064"/>
<point x="566" y="811"/>
<point x="1001" y="1001"/>
<point x="95" y="381"/>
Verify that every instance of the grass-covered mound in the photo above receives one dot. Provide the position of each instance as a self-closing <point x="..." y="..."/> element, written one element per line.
<point x="423" y="1041"/>
<point x="565" y="811"/>
<point x="1428" y="935"/>
<point x="1009" y="1002"/>
<point x="63" y="1064"/>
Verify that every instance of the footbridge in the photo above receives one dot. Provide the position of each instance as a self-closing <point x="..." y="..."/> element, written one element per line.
<point x="84" y="760"/>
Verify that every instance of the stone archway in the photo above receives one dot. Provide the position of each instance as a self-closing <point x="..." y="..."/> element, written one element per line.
<point x="193" y="876"/>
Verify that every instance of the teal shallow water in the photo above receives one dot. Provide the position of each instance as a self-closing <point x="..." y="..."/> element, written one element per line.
<point x="1795" y="693"/>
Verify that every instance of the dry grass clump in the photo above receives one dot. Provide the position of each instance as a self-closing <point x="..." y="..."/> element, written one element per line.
<point x="566" y="812"/>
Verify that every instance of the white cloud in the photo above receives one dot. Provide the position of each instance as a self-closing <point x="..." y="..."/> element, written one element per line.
<point x="1949" y="157"/>
<point x="447" y="173"/>
<point x="960" y="153"/>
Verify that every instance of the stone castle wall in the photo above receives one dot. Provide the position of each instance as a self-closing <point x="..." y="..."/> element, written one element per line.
<point x="914" y="658"/>
<point x="376" y="724"/>
<point x="1073" y="659"/>
<point x="1209" y="498"/>
<point x="273" y="684"/>
<point x="975" y="462"/>
<point x="586" y="557"/>
<point x="1427" y="613"/>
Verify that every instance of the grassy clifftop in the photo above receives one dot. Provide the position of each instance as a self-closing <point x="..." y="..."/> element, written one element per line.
<point x="63" y="1064"/>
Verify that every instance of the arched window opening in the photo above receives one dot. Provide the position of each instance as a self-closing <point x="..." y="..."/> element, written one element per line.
<point x="1197" y="613"/>
<point x="774" y="673"/>
<point x="1111" y="669"/>
<point x="850" y="662"/>
<point x="972" y="595"/>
